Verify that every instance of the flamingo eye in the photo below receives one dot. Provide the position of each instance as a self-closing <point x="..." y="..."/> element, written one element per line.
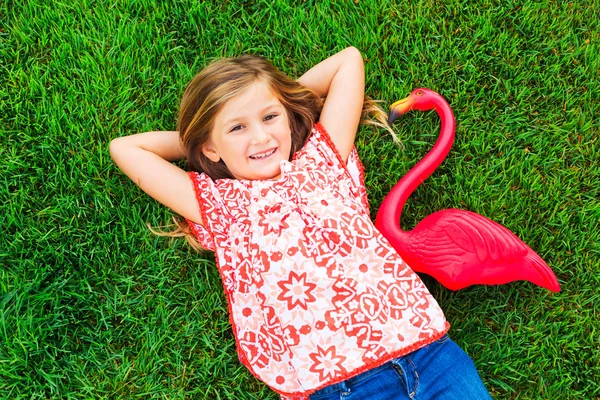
<point x="419" y="93"/>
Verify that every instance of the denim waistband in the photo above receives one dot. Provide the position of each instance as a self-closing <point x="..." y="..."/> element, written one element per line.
<point x="342" y="386"/>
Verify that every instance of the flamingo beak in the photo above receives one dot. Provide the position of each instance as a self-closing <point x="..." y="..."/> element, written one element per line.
<point x="400" y="107"/>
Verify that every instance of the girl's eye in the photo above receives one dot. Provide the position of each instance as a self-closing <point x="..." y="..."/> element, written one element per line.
<point x="235" y="128"/>
<point x="270" y="117"/>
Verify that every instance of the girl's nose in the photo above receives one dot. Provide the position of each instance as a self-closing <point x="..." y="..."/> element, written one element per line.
<point x="260" y="135"/>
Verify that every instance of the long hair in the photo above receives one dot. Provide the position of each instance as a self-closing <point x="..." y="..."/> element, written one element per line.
<point x="223" y="80"/>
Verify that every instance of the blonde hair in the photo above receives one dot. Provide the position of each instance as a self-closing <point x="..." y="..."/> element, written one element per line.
<point x="226" y="78"/>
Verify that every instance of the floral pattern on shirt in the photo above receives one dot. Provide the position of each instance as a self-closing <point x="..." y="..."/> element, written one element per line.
<point x="316" y="294"/>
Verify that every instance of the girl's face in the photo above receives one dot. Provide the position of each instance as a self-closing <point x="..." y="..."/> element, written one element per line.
<point x="251" y="134"/>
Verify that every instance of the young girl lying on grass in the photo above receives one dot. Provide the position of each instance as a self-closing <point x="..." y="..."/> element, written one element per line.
<point x="321" y="305"/>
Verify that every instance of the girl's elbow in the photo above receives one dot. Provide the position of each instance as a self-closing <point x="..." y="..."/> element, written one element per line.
<point x="353" y="59"/>
<point x="116" y="148"/>
<point x="354" y="54"/>
<point x="353" y="50"/>
<point x="113" y="146"/>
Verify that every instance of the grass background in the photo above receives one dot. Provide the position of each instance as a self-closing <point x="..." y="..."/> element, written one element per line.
<point x="92" y="305"/>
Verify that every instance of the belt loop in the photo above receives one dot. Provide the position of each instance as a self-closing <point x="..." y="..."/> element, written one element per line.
<point x="345" y="389"/>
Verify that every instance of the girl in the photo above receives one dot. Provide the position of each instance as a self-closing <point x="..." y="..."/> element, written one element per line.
<point x="320" y="303"/>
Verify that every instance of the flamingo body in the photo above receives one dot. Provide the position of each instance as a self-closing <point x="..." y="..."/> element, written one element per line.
<point x="458" y="248"/>
<point x="461" y="248"/>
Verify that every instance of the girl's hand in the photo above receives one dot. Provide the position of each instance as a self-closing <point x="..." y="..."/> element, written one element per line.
<point x="146" y="158"/>
<point x="341" y="79"/>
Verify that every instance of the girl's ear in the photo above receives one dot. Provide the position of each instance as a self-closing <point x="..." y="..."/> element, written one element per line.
<point x="208" y="149"/>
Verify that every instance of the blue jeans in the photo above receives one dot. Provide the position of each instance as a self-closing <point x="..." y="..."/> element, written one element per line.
<point x="441" y="370"/>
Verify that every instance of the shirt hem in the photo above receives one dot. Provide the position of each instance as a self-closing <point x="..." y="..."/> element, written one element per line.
<point x="402" y="352"/>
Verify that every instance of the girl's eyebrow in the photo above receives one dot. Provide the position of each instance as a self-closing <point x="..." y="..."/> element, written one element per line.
<point x="269" y="106"/>
<point x="263" y="110"/>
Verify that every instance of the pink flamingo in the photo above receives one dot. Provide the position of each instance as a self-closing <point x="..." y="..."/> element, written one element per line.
<point x="458" y="248"/>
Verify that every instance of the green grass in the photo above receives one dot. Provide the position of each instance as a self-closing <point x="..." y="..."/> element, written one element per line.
<point x="92" y="305"/>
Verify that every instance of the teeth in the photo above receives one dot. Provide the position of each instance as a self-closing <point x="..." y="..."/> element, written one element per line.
<point x="263" y="155"/>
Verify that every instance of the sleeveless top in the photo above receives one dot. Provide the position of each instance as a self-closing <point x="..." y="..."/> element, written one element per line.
<point x="315" y="293"/>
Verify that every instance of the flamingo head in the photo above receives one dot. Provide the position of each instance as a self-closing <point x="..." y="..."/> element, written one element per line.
<point x="420" y="99"/>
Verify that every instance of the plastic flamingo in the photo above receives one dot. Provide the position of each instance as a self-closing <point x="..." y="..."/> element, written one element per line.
<point x="459" y="248"/>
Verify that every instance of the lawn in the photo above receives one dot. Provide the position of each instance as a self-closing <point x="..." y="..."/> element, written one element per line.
<point x="93" y="305"/>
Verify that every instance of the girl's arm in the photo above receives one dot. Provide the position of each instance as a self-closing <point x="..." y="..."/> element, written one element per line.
<point x="146" y="158"/>
<point x="341" y="79"/>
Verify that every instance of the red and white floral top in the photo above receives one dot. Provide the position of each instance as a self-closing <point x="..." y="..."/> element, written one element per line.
<point x="316" y="294"/>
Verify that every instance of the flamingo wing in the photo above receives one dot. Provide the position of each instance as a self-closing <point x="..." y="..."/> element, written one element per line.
<point x="461" y="248"/>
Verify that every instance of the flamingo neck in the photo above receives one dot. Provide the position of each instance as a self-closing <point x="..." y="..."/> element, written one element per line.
<point x="392" y="205"/>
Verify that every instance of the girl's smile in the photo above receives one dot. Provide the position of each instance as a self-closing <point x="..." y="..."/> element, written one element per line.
<point x="263" y="155"/>
<point x="251" y="134"/>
